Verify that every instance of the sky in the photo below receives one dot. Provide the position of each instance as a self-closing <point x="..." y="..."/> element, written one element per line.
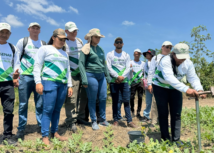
<point x="142" y="24"/>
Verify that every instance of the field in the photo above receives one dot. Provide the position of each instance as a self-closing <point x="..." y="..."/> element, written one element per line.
<point x="116" y="139"/>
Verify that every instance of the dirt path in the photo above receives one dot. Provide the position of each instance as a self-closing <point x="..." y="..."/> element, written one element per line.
<point x="120" y="133"/>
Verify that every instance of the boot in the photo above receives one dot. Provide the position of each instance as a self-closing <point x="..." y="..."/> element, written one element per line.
<point x="45" y="140"/>
<point x="56" y="135"/>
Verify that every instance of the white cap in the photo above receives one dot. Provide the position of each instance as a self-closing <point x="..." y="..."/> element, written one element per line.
<point x="167" y="43"/>
<point x="34" y="24"/>
<point x="70" y="26"/>
<point x="181" y="50"/>
<point x="137" y="50"/>
<point x="5" y="26"/>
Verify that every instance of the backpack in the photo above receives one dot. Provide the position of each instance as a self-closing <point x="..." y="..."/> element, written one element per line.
<point x="13" y="50"/>
<point x="80" y="40"/>
<point x="25" y="41"/>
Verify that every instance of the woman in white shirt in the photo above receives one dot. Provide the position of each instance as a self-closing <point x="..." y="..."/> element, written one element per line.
<point x="168" y="89"/>
<point x="53" y="80"/>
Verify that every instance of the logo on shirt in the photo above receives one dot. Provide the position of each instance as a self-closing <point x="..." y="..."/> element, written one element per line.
<point x="32" y="47"/>
<point x="115" y="60"/>
<point x="4" y="54"/>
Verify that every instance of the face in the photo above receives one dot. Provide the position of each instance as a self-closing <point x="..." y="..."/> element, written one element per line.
<point x="178" y="61"/>
<point x="58" y="42"/>
<point x="95" y="39"/>
<point x="148" y="56"/>
<point x="34" y="30"/>
<point x="137" y="55"/>
<point x="71" y="34"/>
<point x="118" y="44"/>
<point x="4" y="35"/>
<point x="167" y="49"/>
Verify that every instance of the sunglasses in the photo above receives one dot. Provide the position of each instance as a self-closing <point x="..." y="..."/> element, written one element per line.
<point x="61" y="39"/>
<point x="118" y="42"/>
<point x="168" y="47"/>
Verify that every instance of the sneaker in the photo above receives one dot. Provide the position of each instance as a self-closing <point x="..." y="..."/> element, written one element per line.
<point x="105" y="123"/>
<point x="20" y="134"/>
<point x="59" y="137"/>
<point x="115" y="123"/>
<point x="95" y="126"/>
<point x="122" y="119"/>
<point x="145" y="119"/>
<point x="132" y="125"/>
<point x="8" y="140"/>
<point x="139" y="116"/>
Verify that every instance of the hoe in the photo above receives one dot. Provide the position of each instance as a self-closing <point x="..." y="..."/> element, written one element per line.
<point x="198" y="115"/>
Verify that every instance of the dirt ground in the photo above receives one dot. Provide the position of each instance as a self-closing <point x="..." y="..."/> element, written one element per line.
<point x="121" y="137"/>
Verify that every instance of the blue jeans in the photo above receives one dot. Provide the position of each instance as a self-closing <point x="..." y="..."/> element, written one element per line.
<point x="97" y="88"/>
<point x="116" y="89"/>
<point x="146" y="112"/>
<point x="26" y="87"/>
<point x="54" y="94"/>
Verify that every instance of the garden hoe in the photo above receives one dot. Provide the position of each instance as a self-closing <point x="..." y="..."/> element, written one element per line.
<point x="198" y="114"/>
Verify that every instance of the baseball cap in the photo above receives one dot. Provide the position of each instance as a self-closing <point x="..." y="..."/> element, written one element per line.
<point x="5" y="26"/>
<point x="118" y="38"/>
<point x="34" y="24"/>
<point x="151" y="51"/>
<point x="167" y="43"/>
<point x="137" y="50"/>
<point x="181" y="50"/>
<point x="59" y="33"/>
<point x="70" y="26"/>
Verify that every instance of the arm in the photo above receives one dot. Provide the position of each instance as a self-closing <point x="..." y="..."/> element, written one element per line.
<point x="111" y="71"/>
<point x="168" y="75"/>
<point x="82" y="68"/>
<point x="193" y="78"/>
<point x="145" y="71"/>
<point x="151" y="71"/>
<point x="69" y="75"/>
<point x="127" y="71"/>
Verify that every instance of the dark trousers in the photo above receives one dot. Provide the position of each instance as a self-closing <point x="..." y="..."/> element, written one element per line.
<point x="7" y="100"/>
<point x="116" y="89"/>
<point x="174" y="99"/>
<point x="136" y="88"/>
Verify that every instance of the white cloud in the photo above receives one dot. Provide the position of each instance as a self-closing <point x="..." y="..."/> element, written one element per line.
<point x="12" y="20"/>
<point x="110" y="35"/>
<point x="38" y="8"/>
<point x="74" y="10"/>
<point x="9" y="3"/>
<point x="128" y="23"/>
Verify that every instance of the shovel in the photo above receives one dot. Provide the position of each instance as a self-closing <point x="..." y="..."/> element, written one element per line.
<point x="198" y="115"/>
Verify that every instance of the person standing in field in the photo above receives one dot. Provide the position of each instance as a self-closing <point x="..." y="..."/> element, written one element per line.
<point x="93" y="71"/>
<point x="8" y="73"/>
<point x="168" y="89"/>
<point x="118" y="63"/>
<point x="76" y="104"/>
<point x="136" y="74"/>
<point x="53" y="81"/>
<point x="148" y="55"/>
<point x="28" y="47"/>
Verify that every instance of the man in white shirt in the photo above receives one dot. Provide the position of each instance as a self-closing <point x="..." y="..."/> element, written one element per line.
<point x="76" y="104"/>
<point x="28" y="47"/>
<point x="118" y="63"/>
<point x="136" y="74"/>
<point x="8" y="56"/>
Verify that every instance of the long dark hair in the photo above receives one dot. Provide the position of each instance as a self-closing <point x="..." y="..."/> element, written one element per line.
<point x="50" y="42"/>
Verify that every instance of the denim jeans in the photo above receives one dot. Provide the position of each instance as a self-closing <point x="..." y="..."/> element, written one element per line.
<point x="54" y="94"/>
<point x="26" y="87"/>
<point x="125" y="94"/>
<point x="97" y="88"/>
<point x="147" y="110"/>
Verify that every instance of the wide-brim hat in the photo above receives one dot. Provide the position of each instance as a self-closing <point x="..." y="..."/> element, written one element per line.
<point x="151" y="51"/>
<point x="93" y="32"/>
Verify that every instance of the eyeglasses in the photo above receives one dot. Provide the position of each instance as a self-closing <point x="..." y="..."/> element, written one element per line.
<point x="118" y="42"/>
<point x="61" y="39"/>
<point x="168" y="47"/>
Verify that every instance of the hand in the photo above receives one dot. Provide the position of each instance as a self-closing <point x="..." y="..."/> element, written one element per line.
<point x="130" y="65"/>
<point x="85" y="86"/>
<point x="15" y="82"/>
<point x="192" y="93"/>
<point x="120" y="78"/>
<point x="16" y="74"/>
<point x="70" y="92"/>
<point x="39" y="88"/>
<point x="150" y="89"/>
<point x="117" y="81"/>
<point x="202" y="96"/>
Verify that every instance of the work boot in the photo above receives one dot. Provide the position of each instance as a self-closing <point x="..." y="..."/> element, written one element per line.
<point x="56" y="135"/>
<point x="132" y="125"/>
<point x="8" y="140"/>
<point x="20" y="134"/>
<point x="46" y="141"/>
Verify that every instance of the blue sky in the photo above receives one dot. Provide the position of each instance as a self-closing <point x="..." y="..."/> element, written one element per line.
<point x="142" y="24"/>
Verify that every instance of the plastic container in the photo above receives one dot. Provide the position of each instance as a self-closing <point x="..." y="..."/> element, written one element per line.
<point x="136" y="135"/>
